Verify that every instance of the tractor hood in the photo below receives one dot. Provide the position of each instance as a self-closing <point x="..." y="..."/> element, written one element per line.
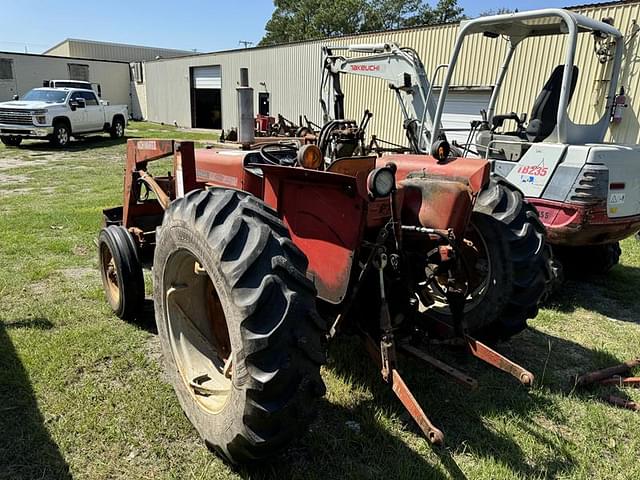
<point x="473" y="172"/>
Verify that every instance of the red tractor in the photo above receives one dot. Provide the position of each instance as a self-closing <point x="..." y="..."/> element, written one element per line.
<point x="262" y="255"/>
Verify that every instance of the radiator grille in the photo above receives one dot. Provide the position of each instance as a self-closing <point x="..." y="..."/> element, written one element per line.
<point x="15" y="117"/>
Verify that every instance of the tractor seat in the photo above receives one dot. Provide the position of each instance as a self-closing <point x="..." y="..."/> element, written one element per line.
<point x="544" y="114"/>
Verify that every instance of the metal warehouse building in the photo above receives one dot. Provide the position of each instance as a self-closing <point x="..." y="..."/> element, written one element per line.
<point x="200" y="90"/>
<point x="20" y="72"/>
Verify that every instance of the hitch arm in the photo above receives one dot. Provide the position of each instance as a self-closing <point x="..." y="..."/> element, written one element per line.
<point x="433" y="433"/>
<point x="490" y="356"/>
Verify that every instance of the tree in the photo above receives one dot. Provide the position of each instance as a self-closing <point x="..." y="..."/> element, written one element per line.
<point x="496" y="11"/>
<point x="295" y="20"/>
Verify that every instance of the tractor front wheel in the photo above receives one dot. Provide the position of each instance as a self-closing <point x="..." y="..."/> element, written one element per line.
<point x="121" y="272"/>
<point x="240" y="334"/>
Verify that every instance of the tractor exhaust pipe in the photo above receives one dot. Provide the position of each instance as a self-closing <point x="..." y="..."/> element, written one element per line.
<point x="246" y="117"/>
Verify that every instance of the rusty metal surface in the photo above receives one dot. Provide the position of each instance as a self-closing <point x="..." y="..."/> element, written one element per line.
<point x="325" y="217"/>
<point x="623" y="403"/>
<point x="436" y="203"/>
<point x="578" y="225"/>
<point x="162" y="197"/>
<point x="457" y="375"/>
<point x="490" y="356"/>
<point x="596" y="376"/>
<point x="473" y="172"/>
<point x="139" y="153"/>
<point x="433" y="434"/>
<point x="622" y="381"/>
<point x="400" y="389"/>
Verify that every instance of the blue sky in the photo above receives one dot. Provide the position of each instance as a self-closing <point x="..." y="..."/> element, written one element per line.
<point x="205" y="25"/>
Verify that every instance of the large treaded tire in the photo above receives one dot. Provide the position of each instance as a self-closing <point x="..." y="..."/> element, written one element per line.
<point x="589" y="260"/>
<point x="520" y="261"/>
<point x="277" y="337"/>
<point x="121" y="272"/>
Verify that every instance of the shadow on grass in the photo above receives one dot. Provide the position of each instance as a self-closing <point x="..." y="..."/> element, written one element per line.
<point x="352" y="443"/>
<point x="147" y="318"/>
<point x="613" y="295"/>
<point x="26" y="449"/>
<point x="471" y="420"/>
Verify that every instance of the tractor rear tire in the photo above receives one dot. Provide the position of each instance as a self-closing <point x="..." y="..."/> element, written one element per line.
<point x="589" y="260"/>
<point x="520" y="261"/>
<point x="237" y="321"/>
<point x="515" y="268"/>
<point x="11" y="141"/>
<point x="121" y="272"/>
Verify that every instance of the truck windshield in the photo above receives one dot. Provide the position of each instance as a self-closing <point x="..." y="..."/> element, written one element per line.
<point x="48" y="96"/>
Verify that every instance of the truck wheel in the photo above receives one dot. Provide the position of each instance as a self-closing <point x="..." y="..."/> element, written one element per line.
<point x="61" y="135"/>
<point x="121" y="272"/>
<point x="11" y="141"/>
<point x="509" y="264"/>
<point x="236" y="316"/>
<point x="117" y="129"/>
<point x="589" y="260"/>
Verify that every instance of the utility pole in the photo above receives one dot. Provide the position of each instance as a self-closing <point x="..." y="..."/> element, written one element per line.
<point x="245" y="43"/>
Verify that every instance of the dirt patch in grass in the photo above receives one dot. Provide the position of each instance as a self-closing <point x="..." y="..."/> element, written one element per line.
<point x="76" y="274"/>
<point x="5" y="192"/>
<point x="5" y="178"/>
<point x="11" y="163"/>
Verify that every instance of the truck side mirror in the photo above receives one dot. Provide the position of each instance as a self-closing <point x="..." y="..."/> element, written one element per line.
<point x="73" y="104"/>
<point x="16" y="97"/>
<point x="81" y="102"/>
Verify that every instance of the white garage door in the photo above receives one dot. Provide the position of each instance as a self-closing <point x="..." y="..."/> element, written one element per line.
<point x="460" y="108"/>
<point x="207" y="77"/>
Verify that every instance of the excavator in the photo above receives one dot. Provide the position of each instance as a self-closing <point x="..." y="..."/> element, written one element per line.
<point x="586" y="191"/>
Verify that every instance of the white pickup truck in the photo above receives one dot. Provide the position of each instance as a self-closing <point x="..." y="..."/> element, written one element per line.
<point x="56" y="114"/>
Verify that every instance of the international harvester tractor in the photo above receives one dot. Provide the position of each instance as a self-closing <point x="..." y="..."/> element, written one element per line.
<point x="261" y="255"/>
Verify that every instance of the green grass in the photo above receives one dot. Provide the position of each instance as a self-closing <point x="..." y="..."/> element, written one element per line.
<point x="82" y="394"/>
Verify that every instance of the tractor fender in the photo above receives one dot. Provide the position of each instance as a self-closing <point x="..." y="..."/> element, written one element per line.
<point x="325" y="213"/>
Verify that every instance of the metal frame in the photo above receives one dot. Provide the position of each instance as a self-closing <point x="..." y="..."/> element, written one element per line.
<point x="511" y="25"/>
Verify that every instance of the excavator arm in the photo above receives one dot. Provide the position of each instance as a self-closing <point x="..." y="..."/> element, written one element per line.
<point x="404" y="72"/>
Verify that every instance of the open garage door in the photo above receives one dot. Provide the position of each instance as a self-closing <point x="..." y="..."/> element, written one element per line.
<point x="206" y="98"/>
<point x="461" y="107"/>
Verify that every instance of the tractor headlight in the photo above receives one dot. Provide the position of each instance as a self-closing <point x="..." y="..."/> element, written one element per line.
<point x="310" y="156"/>
<point x="382" y="181"/>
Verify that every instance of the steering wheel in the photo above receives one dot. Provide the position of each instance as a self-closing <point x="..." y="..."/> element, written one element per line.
<point x="269" y="157"/>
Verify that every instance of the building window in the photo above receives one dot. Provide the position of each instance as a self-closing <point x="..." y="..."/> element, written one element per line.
<point x="6" y="69"/>
<point x="78" y="71"/>
<point x="138" y="75"/>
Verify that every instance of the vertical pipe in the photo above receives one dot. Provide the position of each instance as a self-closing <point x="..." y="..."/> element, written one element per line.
<point x="246" y="117"/>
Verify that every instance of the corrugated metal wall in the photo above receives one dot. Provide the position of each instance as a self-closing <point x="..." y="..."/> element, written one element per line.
<point x="292" y="75"/>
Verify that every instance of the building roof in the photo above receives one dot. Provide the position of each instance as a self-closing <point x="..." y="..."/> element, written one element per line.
<point x="114" y="44"/>
<point x="10" y="54"/>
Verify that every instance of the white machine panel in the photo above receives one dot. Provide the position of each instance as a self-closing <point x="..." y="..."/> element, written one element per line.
<point x="532" y="173"/>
